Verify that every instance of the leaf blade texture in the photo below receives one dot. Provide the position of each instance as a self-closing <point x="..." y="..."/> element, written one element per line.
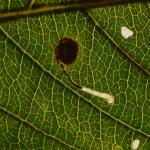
<point x="40" y="109"/>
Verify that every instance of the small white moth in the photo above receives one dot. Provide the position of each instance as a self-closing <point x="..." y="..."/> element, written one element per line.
<point x="135" y="144"/>
<point x="109" y="98"/>
<point x="125" y="32"/>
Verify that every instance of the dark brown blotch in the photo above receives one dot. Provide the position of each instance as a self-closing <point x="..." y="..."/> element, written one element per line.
<point x="66" y="51"/>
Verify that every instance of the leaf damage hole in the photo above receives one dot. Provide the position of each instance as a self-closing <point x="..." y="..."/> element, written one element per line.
<point x="126" y="32"/>
<point x="66" y="52"/>
<point x="135" y="144"/>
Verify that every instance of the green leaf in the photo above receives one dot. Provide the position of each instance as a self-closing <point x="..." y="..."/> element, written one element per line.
<point x="40" y="109"/>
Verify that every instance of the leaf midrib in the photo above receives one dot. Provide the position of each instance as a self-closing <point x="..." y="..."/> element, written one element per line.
<point x="67" y="6"/>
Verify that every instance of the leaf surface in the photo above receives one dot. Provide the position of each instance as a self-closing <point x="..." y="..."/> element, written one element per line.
<point x="40" y="109"/>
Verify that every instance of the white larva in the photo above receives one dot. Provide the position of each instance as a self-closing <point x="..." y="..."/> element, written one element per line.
<point x="109" y="98"/>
